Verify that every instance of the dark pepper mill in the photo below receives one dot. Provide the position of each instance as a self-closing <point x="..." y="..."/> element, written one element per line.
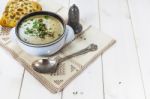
<point x="73" y="19"/>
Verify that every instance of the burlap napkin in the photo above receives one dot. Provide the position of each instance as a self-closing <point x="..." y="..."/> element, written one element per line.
<point x="69" y="69"/>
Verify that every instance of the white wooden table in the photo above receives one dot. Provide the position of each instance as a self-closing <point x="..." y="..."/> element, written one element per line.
<point x="120" y="73"/>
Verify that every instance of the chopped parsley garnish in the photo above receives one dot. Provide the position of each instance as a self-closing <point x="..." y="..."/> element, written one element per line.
<point x="39" y="29"/>
<point x="59" y="34"/>
<point x="31" y="19"/>
<point x="46" y="16"/>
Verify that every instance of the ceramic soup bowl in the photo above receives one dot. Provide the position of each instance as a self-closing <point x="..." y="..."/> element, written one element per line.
<point x="48" y="48"/>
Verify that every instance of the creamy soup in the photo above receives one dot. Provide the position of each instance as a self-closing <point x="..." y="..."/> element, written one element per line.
<point x="40" y="29"/>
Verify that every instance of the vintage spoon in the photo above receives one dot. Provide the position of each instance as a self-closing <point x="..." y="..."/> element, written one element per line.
<point x="51" y="65"/>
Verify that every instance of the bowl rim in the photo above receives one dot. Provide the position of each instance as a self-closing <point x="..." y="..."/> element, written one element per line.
<point x="40" y="13"/>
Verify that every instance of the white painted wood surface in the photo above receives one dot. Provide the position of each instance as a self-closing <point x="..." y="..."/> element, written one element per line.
<point x="10" y="71"/>
<point x="120" y="73"/>
<point x="122" y="76"/>
<point x="140" y="16"/>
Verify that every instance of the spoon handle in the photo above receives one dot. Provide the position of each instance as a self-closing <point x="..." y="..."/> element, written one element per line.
<point x="91" y="47"/>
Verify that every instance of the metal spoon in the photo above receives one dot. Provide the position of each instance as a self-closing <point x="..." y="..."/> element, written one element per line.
<point x="51" y="65"/>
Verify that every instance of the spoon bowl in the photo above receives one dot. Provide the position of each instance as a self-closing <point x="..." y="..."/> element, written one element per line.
<point x="45" y="65"/>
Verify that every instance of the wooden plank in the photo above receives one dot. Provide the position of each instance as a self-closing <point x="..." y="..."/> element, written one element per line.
<point x="10" y="71"/>
<point x="64" y="3"/>
<point x="10" y="76"/>
<point x="122" y="74"/>
<point x="89" y="83"/>
<point x="32" y="89"/>
<point x="139" y="10"/>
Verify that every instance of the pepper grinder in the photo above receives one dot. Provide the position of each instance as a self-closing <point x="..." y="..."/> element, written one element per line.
<point x="73" y="19"/>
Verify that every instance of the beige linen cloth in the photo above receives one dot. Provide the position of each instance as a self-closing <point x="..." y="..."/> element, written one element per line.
<point x="69" y="69"/>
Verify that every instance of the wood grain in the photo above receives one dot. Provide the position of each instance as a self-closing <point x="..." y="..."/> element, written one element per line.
<point x="10" y="71"/>
<point x="122" y="76"/>
<point x="140" y="20"/>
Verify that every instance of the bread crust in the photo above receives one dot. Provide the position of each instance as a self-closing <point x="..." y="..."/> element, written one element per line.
<point x="16" y="9"/>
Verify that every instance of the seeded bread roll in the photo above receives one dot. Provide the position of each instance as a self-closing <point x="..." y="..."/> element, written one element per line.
<point x="16" y="9"/>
